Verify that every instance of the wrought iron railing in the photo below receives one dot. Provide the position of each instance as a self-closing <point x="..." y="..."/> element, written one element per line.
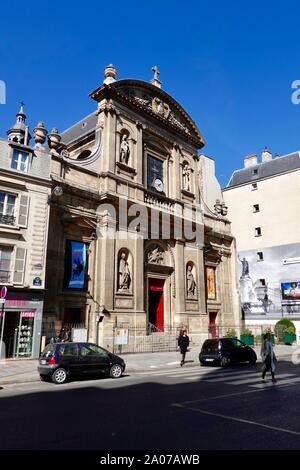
<point x="4" y="276"/>
<point x="7" y="219"/>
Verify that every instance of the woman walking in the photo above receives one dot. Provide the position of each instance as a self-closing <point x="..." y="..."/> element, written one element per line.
<point x="183" y="343"/>
<point x="268" y="357"/>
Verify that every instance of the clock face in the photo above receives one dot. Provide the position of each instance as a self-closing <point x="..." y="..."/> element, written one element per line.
<point x="158" y="184"/>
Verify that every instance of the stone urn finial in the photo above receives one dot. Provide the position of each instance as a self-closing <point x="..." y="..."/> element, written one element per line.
<point x="110" y="73"/>
<point x="40" y="133"/>
<point x="54" y="139"/>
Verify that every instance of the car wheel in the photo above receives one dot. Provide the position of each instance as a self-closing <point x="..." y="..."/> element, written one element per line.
<point x="225" y="361"/>
<point x="59" y="376"/>
<point x="115" y="371"/>
<point x="252" y="360"/>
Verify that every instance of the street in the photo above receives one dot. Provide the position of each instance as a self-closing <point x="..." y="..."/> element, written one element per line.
<point x="188" y="408"/>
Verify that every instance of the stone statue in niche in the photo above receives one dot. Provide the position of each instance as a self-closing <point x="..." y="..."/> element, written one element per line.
<point x="190" y="283"/>
<point x="186" y="176"/>
<point x="124" y="273"/>
<point x="124" y="149"/>
<point x="156" y="256"/>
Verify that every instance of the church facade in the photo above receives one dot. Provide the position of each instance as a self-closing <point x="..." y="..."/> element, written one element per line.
<point x="138" y="233"/>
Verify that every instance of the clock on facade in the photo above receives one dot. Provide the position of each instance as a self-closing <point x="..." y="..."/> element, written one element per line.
<point x="158" y="185"/>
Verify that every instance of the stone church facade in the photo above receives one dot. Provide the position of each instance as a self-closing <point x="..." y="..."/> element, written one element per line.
<point x="136" y="238"/>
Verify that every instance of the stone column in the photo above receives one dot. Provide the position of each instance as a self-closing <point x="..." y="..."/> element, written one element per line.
<point x="180" y="279"/>
<point x="139" y="154"/>
<point x="201" y="282"/>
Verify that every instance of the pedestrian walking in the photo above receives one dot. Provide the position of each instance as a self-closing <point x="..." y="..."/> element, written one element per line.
<point x="183" y="343"/>
<point x="268" y="357"/>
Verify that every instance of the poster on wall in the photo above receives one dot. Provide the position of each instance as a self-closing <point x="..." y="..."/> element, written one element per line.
<point x="290" y="290"/>
<point x="78" y="265"/>
<point x="211" y="283"/>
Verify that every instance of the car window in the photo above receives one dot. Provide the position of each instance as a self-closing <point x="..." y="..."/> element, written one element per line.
<point x="92" y="350"/>
<point x="227" y="343"/>
<point x="237" y="343"/>
<point x="68" y="350"/>
<point x="48" y="351"/>
<point x="210" y="345"/>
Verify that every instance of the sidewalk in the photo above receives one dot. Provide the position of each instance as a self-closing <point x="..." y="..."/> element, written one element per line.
<point x="25" y="370"/>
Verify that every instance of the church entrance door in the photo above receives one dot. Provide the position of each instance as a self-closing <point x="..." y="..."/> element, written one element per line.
<point x="156" y="303"/>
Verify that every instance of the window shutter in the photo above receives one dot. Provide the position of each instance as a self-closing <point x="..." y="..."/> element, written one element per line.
<point x="19" y="266"/>
<point x="23" y="210"/>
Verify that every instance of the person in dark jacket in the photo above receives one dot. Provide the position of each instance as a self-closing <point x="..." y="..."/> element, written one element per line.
<point x="183" y="343"/>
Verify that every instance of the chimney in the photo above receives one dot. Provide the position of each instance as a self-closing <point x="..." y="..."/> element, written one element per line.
<point x="266" y="155"/>
<point x="250" y="160"/>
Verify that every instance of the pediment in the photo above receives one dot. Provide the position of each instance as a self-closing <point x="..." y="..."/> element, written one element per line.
<point x="153" y="101"/>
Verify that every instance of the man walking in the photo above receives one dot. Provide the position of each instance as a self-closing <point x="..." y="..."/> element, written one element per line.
<point x="268" y="357"/>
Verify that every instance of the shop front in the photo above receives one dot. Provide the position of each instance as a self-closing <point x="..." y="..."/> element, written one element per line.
<point x="21" y="324"/>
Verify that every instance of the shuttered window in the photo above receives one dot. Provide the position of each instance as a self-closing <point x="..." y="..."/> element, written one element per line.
<point x="23" y="210"/>
<point x="19" y="265"/>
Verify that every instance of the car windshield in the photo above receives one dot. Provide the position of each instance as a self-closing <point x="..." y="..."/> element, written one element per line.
<point x="48" y="351"/>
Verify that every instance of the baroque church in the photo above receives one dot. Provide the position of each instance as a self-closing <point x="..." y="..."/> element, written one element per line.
<point x="138" y="234"/>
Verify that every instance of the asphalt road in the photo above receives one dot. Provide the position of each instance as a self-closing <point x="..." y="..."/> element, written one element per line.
<point x="188" y="408"/>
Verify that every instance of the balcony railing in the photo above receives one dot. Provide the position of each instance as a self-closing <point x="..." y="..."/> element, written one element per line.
<point x="7" y="219"/>
<point x="5" y="276"/>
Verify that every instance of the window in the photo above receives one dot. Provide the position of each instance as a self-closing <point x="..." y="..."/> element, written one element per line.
<point x="20" y="161"/>
<point x="253" y="186"/>
<point x="154" y="171"/>
<point x="255" y="171"/>
<point x="256" y="208"/>
<point x="92" y="350"/>
<point x="68" y="350"/>
<point x="260" y="256"/>
<point x="5" y="264"/>
<point x="257" y="231"/>
<point x="262" y="282"/>
<point x="7" y="208"/>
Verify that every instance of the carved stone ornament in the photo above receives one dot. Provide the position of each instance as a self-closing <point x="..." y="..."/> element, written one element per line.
<point x="159" y="107"/>
<point x="156" y="256"/>
<point x="65" y="153"/>
<point x="124" y="149"/>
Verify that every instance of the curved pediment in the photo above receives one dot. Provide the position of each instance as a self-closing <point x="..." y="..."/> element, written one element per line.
<point x="152" y="100"/>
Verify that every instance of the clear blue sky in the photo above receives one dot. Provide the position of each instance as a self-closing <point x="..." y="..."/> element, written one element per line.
<point x="229" y="64"/>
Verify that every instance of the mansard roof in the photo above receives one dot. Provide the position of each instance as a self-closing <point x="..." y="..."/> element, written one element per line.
<point x="151" y="100"/>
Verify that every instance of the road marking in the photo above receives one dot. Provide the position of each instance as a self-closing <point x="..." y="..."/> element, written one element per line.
<point x="239" y="420"/>
<point x="218" y="376"/>
<point x="257" y="379"/>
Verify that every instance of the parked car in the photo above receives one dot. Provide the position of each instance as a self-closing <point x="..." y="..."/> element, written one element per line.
<point x="60" y="361"/>
<point x="225" y="351"/>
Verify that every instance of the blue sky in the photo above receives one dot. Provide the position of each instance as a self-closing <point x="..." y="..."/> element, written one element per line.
<point x="230" y="65"/>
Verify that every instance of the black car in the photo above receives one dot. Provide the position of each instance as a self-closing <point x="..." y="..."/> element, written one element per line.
<point x="224" y="351"/>
<point x="59" y="361"/>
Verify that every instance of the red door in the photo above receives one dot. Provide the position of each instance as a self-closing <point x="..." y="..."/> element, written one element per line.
<point x="212" y="324"/>
<point x="156" y="303"/>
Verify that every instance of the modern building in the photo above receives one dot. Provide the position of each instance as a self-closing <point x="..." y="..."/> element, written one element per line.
<point x="25" y="187"/>
<point x="139" y="241"/>
<point x="262" y="199"/>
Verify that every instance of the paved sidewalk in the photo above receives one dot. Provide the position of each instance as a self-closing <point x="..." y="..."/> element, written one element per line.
<point x="25" y="370"/>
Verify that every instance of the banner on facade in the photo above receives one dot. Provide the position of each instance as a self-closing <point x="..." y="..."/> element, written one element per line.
<point x="211" y="283"/>
<point x="121" y="336"/>
<point x="78" y="265"/>
<point x="290" y="290"/>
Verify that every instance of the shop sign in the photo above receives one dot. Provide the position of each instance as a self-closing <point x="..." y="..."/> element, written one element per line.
<point x="28" y="314"/>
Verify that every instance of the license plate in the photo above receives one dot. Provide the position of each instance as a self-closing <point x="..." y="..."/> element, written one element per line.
<point x="209" y="360"/>
<point x="43" y="361"/>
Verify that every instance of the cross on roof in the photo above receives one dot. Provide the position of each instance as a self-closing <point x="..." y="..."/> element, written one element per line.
<point x="156" y="72"/>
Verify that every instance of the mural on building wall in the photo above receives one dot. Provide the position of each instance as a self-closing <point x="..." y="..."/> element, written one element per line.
<point x="270" y="280"/>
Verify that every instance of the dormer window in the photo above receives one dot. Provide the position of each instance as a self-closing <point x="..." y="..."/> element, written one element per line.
<point x="20" y="161"/>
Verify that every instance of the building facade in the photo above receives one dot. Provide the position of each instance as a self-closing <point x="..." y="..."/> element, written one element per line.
<point x="24" y="212"/>
<point x="134" y="240"/>
<point x="261" y="200"/>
